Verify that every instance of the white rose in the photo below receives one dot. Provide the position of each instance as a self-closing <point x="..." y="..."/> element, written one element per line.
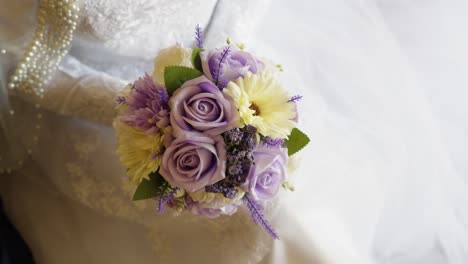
<point x="172" y="56"/>
<point x="293" y="164"/>
<point x="215" y="198"/>
<point x="269" y="66"/>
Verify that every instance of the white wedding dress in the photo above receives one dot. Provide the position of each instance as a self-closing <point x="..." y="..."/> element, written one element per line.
<point x="382" y="181"/>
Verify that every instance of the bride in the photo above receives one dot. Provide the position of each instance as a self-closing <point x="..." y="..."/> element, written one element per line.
<point x="377" y="185"/>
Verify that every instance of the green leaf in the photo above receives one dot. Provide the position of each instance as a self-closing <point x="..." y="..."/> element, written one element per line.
<point x="175" y="76"/>
<point x="196" y="60"/>
<point x="156" y="186"/>
<point x="288" y="186"/>
<point x="296" y="141"/>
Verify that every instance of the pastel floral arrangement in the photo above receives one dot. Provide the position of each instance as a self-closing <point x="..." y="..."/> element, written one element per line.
<point x="209" y="131"/>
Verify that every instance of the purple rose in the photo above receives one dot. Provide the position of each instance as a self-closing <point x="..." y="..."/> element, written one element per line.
<point x="193" y="161"/>
<point x="268" y="172"/>
<point x="200" y="105"/>
<point x="236" y="64"/>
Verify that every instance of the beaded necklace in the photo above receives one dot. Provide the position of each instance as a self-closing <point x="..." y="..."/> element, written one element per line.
<point x="56" y="23"/>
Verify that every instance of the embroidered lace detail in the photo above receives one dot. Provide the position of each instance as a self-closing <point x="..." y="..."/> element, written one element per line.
<point x="93" y="191"/>
<point x="123" y="26"/>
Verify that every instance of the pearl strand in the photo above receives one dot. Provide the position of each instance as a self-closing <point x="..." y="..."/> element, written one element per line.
<point x="56" y="23"/>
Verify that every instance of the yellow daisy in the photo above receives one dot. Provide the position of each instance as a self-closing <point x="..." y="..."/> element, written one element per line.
<point x="262" y="103"/>
<point x="138" y="151"/>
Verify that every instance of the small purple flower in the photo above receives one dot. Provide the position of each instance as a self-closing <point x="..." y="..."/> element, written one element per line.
<point x="145" y="91"/>
<point x="203" y="209"/>
<point x="267" y="173"/>
<point x="273" y="143"/>
<point x="147" y="106"/>
<point x="199" y="36"/>
<point x="240" y="143"/>
<point x="218" y="66"/>
<point x="234" y="136"/>
<point x="226" y="188"/>
<point x="295" y="98"/>
<point x="235" y="169"/>
<point x="121" y="100"/>
<point x="194" y="161"/>
<point x="166" y="199"/>
<point x="199" y="105"/>
<point x="211" y="209"/>
<point x="256" y="212"/>
<point x="236" y="64"/>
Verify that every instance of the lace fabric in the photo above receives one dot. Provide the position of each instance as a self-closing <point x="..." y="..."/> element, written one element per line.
<point x="139" y="28"/>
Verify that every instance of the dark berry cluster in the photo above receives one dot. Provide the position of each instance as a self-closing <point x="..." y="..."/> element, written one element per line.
<point x="224" y="187"/>
<point x="240" y="142"/>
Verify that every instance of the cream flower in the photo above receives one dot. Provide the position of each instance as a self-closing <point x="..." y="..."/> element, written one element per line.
<point x="138" y="151"/>
<point x="262" y="103"/>
<point x="173" y="56"/>
<point x="208" y="197"/>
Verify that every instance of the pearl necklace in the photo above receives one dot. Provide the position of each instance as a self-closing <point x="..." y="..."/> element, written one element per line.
<point x="56" y="23"/>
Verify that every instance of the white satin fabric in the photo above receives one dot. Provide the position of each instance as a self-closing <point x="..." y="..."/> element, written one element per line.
<point x="382" y="181"/>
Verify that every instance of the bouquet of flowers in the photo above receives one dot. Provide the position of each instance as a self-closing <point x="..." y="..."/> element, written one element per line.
<point x="209" y="131"/>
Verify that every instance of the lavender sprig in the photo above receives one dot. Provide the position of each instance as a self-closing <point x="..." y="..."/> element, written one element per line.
<point x="163" y="97"/>
<point x="121" y="100"/>
<point x="199" y="36"/>
<point x="217" y="70"/>
<point x="256" y="212"/>
<point x="294" y="99"/>
<point x="166" y="199"/>
<point x="161" y="203"/>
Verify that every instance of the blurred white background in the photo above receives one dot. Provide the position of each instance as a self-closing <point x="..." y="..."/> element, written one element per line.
<point x="386" y="104"/>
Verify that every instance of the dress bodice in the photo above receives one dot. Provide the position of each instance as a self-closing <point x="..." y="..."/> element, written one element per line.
<point x="140" y="28"/>
<point x="116" y="36"/>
